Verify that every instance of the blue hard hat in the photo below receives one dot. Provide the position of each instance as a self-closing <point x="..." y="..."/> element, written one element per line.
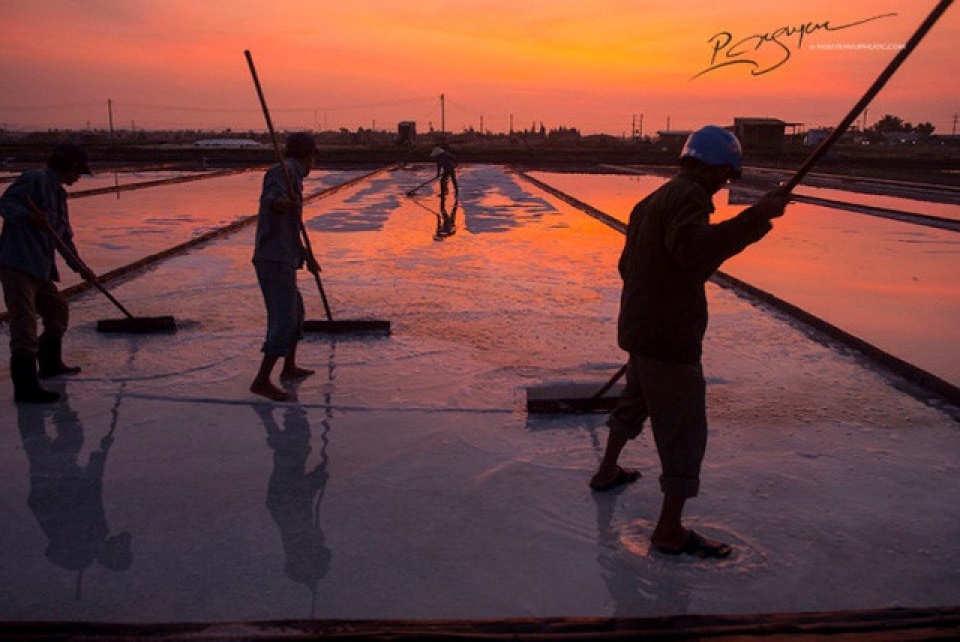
<point x="714" y="145"/>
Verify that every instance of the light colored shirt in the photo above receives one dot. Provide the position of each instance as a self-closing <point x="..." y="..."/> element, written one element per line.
<point x="278" y="233"/>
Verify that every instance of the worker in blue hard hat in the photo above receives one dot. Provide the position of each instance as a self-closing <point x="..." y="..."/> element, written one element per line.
<point x="671" y="250"/>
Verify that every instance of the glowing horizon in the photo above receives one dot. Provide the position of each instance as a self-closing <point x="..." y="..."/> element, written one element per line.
<point x="597" y="66"/>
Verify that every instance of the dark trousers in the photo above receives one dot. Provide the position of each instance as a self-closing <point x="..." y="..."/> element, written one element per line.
<point x="28" y="297"/>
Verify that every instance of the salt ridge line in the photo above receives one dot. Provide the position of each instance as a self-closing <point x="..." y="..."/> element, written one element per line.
<point x="925" y="384"/>
<point x="927" y="220"/>
<point x="151" y="260"/>
<point x="932" y="192"/>
<point x="158" y="182"/>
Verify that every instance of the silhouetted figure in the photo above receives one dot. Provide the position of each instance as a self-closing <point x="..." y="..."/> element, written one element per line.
<point x="446" y="169"/>
<point x="279" y="251"/>
<point x="294" y="495"/>
<point x="34" y="211"/>
<point x="671" y="250"/>
<point x="67" y="498"/>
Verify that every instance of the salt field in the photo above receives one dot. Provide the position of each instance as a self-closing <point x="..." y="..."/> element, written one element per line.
<point x="407" y="481"/>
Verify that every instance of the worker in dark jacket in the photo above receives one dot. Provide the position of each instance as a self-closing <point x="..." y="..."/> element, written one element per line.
<point x="34" y="210"/>
<point x="671" y="250"/>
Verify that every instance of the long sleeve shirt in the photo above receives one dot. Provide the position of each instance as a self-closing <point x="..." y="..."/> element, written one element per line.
<point x="670" y="252"/>
<point x="278" y="233"/>
<point x="23" y="245"/>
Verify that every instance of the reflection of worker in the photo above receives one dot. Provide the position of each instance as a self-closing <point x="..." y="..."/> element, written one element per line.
<point x="67" y="499"/>
<point x="278" y="254"/>
<point x="446" y="219"/>
<point x="671" y="250"/>
<point x="292" y="492"/>
<point x="446" y="169"/>
<point x="34" y="203"/>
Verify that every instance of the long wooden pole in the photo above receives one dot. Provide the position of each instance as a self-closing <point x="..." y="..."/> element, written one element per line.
<point x="841" y="128"/>
<point x="289" y="180"/>
<point x="870" y="94"/>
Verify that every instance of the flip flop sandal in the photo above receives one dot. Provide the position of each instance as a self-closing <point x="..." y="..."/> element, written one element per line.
<point x="624" y="476"/>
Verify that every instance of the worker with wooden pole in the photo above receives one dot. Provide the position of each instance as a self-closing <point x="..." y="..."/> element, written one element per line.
<point x="279" y="252"/>
<point x="671" y="251"/>
<point x="31" y="207"/>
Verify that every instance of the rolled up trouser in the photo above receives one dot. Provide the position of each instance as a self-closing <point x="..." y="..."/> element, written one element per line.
<point x="673" y="396"/>
<point x="26" y="298"/>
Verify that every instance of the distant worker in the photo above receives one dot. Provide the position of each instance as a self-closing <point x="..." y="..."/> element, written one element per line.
<point x="446" y="170"/>
<point x="671" y="250"/>
<point x="34" y="210"/>
<point x="278" y="254"/>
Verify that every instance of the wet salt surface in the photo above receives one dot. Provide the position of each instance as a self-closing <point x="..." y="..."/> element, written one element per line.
<point x="894" y="284"/>
<point x="113" y="230"/>
<point x="408" y="482"/>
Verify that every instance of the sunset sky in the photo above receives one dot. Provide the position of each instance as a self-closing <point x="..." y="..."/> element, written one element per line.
<point x="596" y="65"/>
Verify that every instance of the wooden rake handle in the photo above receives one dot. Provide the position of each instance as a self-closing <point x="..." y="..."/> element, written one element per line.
<point x="292" y="192"/>
<point x="72" y="256"/>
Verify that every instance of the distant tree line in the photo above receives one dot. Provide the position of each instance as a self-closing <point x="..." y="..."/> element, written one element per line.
<point x="891" y="124"/>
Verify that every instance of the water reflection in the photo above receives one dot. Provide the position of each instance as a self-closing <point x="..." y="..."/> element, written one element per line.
<point x="67" y="498"/>
<point x="624" y="574"/>
<point x="295" y="492"/>
<point x="446" y="219"/>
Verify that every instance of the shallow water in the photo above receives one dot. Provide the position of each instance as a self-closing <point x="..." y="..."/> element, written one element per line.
<point x="408" y="482"/>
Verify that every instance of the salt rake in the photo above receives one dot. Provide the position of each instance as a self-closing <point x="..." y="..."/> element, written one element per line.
<point x="413" y="191"/>
<point x="571" y="398"/>
<point x="128" y="325"/>
<point x="329" y="325"/>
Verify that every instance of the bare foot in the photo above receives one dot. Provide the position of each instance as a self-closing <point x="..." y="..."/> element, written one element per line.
<point x="270" y="391"/>
<point x="295" y="372"/>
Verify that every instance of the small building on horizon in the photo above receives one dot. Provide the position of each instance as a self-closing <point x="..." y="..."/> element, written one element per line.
<point x="762" y="134"/>
<point x="406" y="132"/>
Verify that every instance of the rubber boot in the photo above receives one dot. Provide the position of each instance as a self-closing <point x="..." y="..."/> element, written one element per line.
<point x="26" y="383"/>
<point x="50" y="357"/>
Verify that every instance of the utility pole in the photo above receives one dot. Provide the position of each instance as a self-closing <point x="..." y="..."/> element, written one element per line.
<point x="110" y="116"/>
<point x="443" y="116"/>
<point x="641" y="126"/>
